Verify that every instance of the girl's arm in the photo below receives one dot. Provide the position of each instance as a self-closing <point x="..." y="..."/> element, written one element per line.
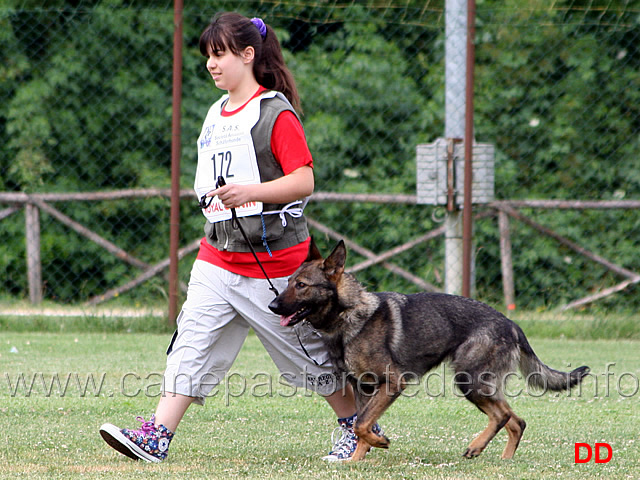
<point x="294" y="186"/>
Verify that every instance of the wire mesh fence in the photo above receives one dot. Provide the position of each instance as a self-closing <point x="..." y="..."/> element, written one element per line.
<point x="85" y="137"/>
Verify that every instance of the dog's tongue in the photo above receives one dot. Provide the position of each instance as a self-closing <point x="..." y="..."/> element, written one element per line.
<point x="284" y="321"/>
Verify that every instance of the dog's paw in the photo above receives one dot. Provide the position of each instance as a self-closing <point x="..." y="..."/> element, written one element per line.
<point x="471" y="453"/>
<point x="378" y="441"/>
<point x="385" y="442"/>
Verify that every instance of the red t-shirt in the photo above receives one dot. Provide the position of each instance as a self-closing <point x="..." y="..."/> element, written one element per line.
<point x="289" y="146"/>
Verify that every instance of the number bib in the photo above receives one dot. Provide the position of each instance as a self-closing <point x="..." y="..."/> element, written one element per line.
<point x="225" y="148"/>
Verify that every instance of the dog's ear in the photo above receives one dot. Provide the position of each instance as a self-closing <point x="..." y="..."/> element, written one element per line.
<point x="334" y="263"/>
<point x="314" y="252"/>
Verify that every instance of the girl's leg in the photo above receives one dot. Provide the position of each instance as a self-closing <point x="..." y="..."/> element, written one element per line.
<point x="302" y="358"/>
<point x="342" y="402"/>
<point x="171" y="409"/>
<point x="210" y="335"/>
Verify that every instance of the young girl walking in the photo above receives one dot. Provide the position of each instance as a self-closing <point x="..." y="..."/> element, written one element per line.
<point x="252" y="138"/>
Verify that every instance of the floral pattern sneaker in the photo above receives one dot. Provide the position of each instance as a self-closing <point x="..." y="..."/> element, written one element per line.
<point x="345" y="444"/>
<point x="150" y="443"/>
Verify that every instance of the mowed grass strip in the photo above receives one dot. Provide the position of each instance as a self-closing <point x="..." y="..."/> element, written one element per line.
<point x="56" y="389"/>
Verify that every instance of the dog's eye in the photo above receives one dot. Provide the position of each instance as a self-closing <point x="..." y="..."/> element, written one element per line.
<point x="300" y="285"/>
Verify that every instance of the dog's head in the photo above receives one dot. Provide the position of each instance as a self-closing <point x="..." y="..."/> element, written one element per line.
<point x="312" y="291"/>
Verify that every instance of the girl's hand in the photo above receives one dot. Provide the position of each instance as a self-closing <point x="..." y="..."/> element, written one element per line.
<point x="231" y="195"/>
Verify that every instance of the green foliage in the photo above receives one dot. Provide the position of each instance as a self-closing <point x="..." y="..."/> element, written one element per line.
<point x="565" y="126"/>
<point x="563" y="110"/>
<point x="363" y="122"/>
<point x="85" y="105"/>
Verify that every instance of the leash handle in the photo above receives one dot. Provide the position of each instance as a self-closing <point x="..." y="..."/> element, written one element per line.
<point x="234" y="221"/>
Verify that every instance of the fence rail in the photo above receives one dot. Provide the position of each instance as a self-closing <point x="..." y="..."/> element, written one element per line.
<point x="504" y="209"/>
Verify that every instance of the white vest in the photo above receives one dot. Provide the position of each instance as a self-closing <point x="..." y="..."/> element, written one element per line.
<point x="225" y="148"/>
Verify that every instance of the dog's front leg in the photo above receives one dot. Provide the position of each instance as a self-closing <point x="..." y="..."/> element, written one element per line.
<point x="361" y="402"/>
<point x="361" y="450"/>
<point x="368" y="416"/>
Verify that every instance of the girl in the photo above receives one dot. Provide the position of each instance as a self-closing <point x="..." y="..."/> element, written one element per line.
<point x="253" y="139"/>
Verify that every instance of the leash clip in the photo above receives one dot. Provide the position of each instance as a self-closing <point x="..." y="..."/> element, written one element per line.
<point x="206" y="201"/>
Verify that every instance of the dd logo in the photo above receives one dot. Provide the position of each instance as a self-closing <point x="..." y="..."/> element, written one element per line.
<point x="589" y="452"/>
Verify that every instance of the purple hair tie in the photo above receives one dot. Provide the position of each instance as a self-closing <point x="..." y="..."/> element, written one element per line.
<point x="262" y="28"/>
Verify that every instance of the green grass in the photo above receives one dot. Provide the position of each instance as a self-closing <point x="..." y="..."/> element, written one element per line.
<point x="124" y="316"/>
<point x="579" y="326"/>
<point x="273" y="435"/>
<point x="114" y="317"/>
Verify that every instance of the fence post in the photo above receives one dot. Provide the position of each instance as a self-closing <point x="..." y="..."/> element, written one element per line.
<point x="506" y="261"/>
<point x="34" y="266"/>
<point x="467" y="214"/>
<point x="174" y="236"/>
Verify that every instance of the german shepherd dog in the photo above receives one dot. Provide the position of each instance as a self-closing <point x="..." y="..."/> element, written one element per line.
<point x="383" y="340"/>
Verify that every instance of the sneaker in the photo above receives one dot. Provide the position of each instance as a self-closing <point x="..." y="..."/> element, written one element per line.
<point x="346" y="442"/>
<point x="150" y="443"/>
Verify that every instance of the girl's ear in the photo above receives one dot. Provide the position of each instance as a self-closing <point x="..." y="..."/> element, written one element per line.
<point x="248" y="54"/>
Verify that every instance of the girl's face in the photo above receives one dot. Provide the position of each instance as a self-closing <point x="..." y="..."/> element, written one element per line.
<point x="228" y="70"/>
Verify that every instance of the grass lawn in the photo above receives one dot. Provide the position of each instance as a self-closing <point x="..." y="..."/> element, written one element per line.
<point x="263" y="429"/>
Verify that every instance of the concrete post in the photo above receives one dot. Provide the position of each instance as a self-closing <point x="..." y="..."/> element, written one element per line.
<point x="455" y="74"/>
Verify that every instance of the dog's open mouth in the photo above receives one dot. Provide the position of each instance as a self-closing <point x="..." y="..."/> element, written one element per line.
<point x="295" y="318"/>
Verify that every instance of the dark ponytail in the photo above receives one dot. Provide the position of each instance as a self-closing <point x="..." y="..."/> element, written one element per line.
<point x="236" y="32"/>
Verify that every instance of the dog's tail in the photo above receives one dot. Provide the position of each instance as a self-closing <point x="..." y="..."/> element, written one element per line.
<point x="538" y="375"/>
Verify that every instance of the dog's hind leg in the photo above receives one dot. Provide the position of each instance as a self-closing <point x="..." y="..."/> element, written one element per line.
<point x="499" y="415"/>
<point x="515" y="428"/>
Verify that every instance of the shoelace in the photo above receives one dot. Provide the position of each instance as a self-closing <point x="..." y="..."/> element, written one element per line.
<point x="341" y="445"/>
<point x="147" y="428"/>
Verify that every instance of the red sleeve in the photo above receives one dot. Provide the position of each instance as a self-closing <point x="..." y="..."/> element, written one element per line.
<point x="288" y="143"/>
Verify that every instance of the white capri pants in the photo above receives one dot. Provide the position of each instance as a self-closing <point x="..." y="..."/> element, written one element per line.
<point x="214" y="322"/>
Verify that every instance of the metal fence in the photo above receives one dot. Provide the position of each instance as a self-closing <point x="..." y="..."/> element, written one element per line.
<point x="85" y="135"/>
